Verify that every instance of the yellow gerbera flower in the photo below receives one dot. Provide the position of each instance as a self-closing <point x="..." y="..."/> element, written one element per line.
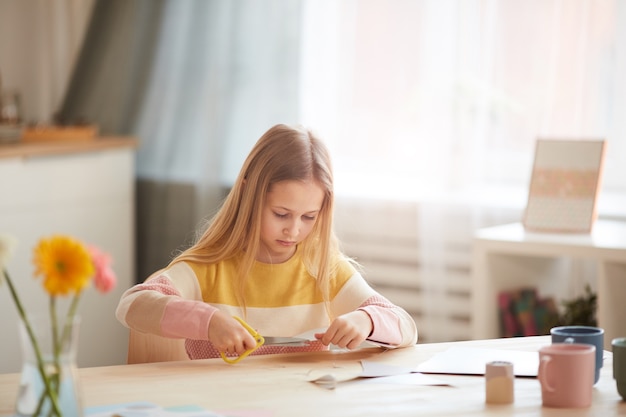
<point x="64" y="263"/>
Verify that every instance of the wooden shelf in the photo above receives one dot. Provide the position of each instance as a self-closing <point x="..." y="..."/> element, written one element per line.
<point x="34" y="149"/>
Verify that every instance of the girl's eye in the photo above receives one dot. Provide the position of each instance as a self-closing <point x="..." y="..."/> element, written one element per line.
<point x="280" y="215"/>
<point x="309" y="218"/>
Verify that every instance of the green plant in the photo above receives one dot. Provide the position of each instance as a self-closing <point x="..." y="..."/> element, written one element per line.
<point x="580" y="311"/>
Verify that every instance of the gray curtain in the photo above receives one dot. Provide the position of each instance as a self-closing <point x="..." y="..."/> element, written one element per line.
<point x="114" y="64"/>
<point x="197" y="82"/>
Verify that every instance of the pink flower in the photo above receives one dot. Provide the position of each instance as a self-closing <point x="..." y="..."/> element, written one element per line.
<point x="105" y="278"/>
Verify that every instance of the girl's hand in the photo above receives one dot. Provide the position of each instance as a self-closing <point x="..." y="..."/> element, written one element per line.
<point x="348" y="331"/>
<point x="228" y="335"/>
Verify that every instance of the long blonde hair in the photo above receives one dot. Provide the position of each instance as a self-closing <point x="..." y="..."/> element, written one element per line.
<point x="282" y="153"/>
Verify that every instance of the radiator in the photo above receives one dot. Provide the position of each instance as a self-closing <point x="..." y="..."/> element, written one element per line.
<point x="418" y="255"/>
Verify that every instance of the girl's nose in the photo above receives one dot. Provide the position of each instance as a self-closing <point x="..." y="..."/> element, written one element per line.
<point x="292" y="229"/>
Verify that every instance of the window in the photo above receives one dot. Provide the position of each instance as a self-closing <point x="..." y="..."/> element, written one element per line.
<point x="436" y="96"/>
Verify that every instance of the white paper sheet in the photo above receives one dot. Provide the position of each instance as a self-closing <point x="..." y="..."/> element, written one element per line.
<point x="462" y="360"/>
<point x="374" y="373"/>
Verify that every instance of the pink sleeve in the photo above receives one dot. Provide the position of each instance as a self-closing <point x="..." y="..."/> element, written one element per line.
<point x="157" y="307"/>
<point x="188" y="319"/>
<point x="386" y="322"/>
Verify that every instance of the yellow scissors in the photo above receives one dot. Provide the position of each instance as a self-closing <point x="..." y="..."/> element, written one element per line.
<point x="260" y="341"/>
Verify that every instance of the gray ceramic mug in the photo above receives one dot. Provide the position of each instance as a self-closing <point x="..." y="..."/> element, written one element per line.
<point x="619" y="364"/>
<point x="582" y="334"/>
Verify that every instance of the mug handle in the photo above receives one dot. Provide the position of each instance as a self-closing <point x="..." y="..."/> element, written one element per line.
<point x="542" y="375"/>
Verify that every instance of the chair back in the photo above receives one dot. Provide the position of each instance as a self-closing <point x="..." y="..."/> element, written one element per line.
<point x="145" y="348"/>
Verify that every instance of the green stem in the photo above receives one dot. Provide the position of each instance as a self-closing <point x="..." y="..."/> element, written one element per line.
<point x="42" y="400"/>
<point x="56" y="346"/>
<point x="55" y="328"/>
<point x="69" y="320"/>
<point x="36" y="349"/>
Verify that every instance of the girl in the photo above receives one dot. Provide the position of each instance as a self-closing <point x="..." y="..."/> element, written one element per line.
<point x="269" y="255"/>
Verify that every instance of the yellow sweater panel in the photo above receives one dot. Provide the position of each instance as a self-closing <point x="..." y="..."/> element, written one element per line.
<point x="268" y="285"/>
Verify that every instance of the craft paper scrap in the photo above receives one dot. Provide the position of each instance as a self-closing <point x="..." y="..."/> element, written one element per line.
<point x="329" y="378"/>
<point x="414" y="378"/>
<point x="382" y="373"/>
<point x="377" y="369"/>
<point x="373" y="372"/>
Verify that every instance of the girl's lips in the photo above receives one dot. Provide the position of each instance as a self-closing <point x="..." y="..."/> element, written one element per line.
<point x="286" y="243"/>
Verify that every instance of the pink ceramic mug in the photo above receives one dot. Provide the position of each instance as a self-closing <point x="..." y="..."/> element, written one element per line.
<point x="566" y="373"/>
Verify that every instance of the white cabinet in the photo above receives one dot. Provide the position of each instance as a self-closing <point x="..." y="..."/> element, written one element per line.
<point x="83" y="190"/>
<point x="508" y="257"/>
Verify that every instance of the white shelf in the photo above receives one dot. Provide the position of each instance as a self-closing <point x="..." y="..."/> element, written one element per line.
<point x="509" y="257"/>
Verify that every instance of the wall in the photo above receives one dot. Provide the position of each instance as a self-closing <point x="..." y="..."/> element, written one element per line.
<point x="88" y="195"/>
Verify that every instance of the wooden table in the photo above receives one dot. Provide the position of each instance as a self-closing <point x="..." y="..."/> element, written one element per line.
<point x="277" y="386"/>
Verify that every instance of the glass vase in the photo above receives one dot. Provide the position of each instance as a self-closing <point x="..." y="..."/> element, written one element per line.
<point x="49" y="384"/>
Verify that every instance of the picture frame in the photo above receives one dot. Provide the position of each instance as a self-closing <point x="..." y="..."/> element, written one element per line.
<point x="564" y="185"/>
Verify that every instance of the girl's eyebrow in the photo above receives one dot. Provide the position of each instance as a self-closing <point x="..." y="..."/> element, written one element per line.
<point x="289" y="210"/>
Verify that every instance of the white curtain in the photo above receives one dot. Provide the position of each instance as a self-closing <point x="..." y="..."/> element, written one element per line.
<point x="451" y="95"/>
<point x="441" y="101"/>
<point x="224" y="72"/>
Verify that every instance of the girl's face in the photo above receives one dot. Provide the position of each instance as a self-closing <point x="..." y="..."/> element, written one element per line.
<point x="290" y="211"/>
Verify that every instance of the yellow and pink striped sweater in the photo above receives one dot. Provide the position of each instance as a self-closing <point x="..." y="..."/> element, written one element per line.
<point x="281" y="300"/>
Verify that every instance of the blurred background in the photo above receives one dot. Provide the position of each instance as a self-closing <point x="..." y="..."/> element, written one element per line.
<point x="431" y="108"/>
